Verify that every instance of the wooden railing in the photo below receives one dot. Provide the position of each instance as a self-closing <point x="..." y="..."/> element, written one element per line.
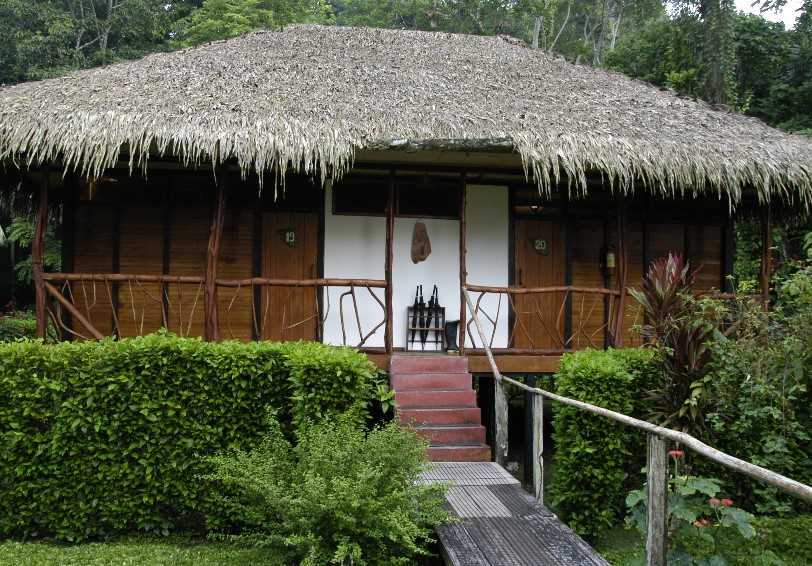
<point x="657" y="472"/>
<point x="564" y="317"/>
<point x="93" y="306"/>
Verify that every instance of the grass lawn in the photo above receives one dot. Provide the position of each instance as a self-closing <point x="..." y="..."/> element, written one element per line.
<point x="789" y="538"/>
<point x="136" y="550"/>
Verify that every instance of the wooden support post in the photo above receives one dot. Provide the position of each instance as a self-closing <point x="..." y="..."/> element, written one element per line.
<point x="622" y="274"/>
<point x="501" y="413"/>
<point x="657" y="497"/>
<point x="37" y="252"/>
<point x="766" y="255"/>
<point x="728" y="255"/>
<point x="211" y="313"/>
<point x="464" y="276"/>
<point x="538" y="447"/>
<point x="390" y="231"/>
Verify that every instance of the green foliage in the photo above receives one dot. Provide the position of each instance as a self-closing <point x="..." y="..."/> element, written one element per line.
<point x="221" y="19"/>
<point x="21" y="232"/>
<point x="100" y="437"/>
<point x="596" y="458"/>
<point x="14" y="325"/>
<point x="340" y="496"/>
<point x="760" y="395"/>
<point x="695" y="511"/>
<point x="144" y="549"/>
<point x="778" y="540"/>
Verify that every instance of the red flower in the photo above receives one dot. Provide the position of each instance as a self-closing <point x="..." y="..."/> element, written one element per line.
<point x="676" y="454"/>
<point x="715" y="502"/>
<point x="703" y="522"/>
<point x="727" y="502"/>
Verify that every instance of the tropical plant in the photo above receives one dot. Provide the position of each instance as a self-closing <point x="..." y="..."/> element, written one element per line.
<point x="339" y="496"/>
<point x="21" y="232"/>
<point x="681" y="329"/>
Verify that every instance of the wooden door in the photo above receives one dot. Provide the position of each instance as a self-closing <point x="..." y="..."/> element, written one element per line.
<point x="539" y="319"/>
<point x="289" y="251"/>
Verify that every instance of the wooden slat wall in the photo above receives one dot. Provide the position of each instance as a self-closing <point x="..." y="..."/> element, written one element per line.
<point x="235" y="305"/>
<point x="93" y="253"/>
<point x="632" y="315"/>
<point x="537" y="270"/>
<point x="189" y="237"/>
<point x="705" y="253"/>
<point x="664" y="239"/>
<point x="284" y="306"/>
<point x="141" y="252"/>
<point x="587" y="310"/>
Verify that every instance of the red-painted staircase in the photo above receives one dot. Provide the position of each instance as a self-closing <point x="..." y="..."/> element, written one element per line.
<point x="434" y="395"/>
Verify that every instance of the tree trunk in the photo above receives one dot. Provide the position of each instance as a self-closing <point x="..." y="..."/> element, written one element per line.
<point x="536" y="31"/>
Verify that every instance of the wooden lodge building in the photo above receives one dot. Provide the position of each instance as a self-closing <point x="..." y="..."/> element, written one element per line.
<point x="301" y="184"/>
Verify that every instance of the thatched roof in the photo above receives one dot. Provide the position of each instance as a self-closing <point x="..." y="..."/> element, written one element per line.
<point x="308" y="97"/>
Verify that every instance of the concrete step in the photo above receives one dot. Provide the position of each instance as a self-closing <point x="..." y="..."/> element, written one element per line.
<point x="428" y="364"/>
<point x="456" y="435"/>
<point x="481" y="453"/>
<point x="437" y="398"/>
<point x="424" y="381"/>
<point x="439" y="416"/>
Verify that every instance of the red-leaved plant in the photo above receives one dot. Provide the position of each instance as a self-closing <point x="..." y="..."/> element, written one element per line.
<point x="682" y="334"/>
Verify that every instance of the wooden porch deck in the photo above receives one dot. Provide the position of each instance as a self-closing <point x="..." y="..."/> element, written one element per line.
<point x="501" y="524"/>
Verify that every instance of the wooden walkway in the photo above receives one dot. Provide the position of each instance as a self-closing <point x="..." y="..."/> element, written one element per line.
<point x="500" y="523"/>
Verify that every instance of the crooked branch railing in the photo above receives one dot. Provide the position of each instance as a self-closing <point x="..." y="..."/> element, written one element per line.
<point x="258" y="289"/>
<point x="549" y="308"/>
<point x="657" y="472"/>
<point x="92" y="306"/>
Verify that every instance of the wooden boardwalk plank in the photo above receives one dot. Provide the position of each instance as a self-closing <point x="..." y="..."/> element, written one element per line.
<point x="500" y="524"/>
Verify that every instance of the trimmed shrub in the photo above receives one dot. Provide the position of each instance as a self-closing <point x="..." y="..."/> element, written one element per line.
<point x="100" y="437"/>
<point x="596" y="459"/>
<point x="340" y="496"/>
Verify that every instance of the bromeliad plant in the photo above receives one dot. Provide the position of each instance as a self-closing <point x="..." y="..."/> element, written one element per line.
<point x="698" y="518"/>
<point x="681" y="331"/>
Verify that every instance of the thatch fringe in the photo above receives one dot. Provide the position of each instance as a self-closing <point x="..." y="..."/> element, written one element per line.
<point x="307" y="98"/>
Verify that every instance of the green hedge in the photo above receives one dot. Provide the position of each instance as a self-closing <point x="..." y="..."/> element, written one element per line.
<point x="102" y="437"/>
<point x="596" y="458"/>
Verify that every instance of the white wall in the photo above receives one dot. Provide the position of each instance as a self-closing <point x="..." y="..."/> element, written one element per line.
<point x="487" y="228"/>
<point x="354" y="249"/>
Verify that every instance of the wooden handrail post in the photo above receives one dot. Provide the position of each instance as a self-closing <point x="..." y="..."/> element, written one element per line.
<point x="657" y="497"/>
<point x="390" y="231"/>
<point x="622" y="275"/>
<point x="766" y="255"/>
<point x="538" y="447"/>
<point x="37" y="252"/>
<point x="501" y="413"/>
<point x="210" y="311"/>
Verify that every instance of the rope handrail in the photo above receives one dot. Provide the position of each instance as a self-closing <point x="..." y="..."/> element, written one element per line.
<point x="783" y="483"/>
